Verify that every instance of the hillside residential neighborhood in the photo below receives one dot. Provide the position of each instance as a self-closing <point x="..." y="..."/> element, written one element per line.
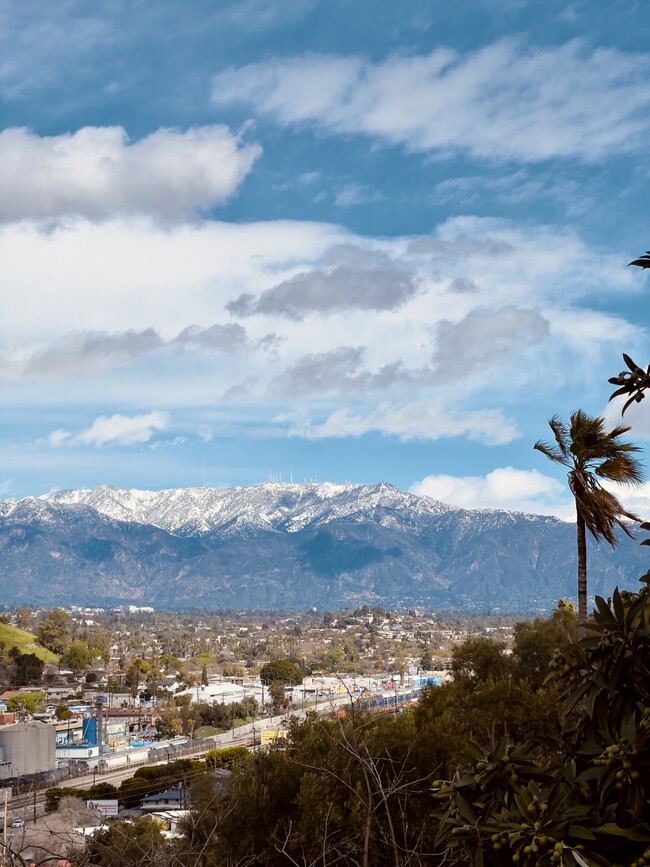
<point x="131" y="678"/>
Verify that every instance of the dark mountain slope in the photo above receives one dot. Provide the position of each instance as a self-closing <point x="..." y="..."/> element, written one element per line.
<point x="291" y="546"/>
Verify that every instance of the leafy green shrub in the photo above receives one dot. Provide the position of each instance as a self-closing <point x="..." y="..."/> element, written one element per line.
<point x="588" y="801"/>
<point x="153" y="779"/>
<point x="228" y="757"/>
<point x="281" y="671"/>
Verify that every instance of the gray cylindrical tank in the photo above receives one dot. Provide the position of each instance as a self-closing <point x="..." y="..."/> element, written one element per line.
<point x="30" y="747"/>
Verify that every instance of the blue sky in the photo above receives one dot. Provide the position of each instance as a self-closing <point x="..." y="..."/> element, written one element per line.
<point x="315" y="239"/>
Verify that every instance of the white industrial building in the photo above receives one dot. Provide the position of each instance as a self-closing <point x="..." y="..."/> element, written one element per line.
<point x="28" y="747"/>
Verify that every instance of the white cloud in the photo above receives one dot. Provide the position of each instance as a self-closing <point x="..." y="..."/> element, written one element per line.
<point x="635" y="499"/>
<point x="504" y="488"/>
<point x="143" y="275"/>
<point x="96" y="172"/>
<point x="592" y="328"/>
<point x="86" y="298"/>
<point x="505" y="101"/>
<point x="115" y="430"/>
<point x="356" y="194"/>
<point x="418" y="420"/>
<point x="482" y="339"/>
<point x="59" y="437"/>
<point x="86" y="353"/>
<point x="352" y="278"/>
<point x="637" y="415"/>
<point x="206" y="433"/>
<point x="90" y="353"/>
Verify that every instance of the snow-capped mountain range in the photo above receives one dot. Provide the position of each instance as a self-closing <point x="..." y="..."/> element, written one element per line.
<point x="275" y="506"/>
<point x="290" y="546"/>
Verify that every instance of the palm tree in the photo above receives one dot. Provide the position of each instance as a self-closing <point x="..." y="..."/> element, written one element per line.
<point x="590" y="453"/>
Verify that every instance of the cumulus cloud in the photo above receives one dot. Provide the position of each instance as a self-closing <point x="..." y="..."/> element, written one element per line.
<point x="337" y="371"/>
<point x="351" y="278"/>
<point x="506" y="101"/>
<point x="504" y="488"/>
<point x="86" y="353"/>
<point x="483" y="246"/>
<point x="222" y="338"/>
<point x="320" y="372"/>
<point x="115" y="430"/>
<point x="418" y="420"/>
<point x="463" y="285"/>
<point x="156" y="290"/>
<point x="144" y="275"/>
<point x="484" y="338"/>
<point x="59" y="437"/>
<point x="97" y="172"/>
<point x="505" y="260"/>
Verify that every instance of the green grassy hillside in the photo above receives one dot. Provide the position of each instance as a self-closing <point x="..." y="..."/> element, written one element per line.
<point x="11" y="636"/>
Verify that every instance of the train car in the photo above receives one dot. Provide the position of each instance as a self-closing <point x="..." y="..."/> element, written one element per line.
<point x="45" y="779"/>
<point x="139" y="756"/>
<point x="60" y="775"/>
<point x="169" y="752"/>
<point x="112" y="762"/>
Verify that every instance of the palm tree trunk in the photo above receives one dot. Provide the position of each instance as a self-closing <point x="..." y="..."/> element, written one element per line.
<point x="582" y="573"/>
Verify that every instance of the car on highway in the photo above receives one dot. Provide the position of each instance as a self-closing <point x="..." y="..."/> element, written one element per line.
<point x="18" y="823"/>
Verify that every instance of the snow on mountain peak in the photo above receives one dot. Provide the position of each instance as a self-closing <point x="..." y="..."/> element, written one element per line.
<point x="282" y="506"/>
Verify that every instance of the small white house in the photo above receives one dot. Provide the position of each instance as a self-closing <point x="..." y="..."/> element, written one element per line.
<point x="169" y="800"/>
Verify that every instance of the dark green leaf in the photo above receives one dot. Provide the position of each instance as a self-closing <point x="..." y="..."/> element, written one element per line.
<point x="629" y="362"/>
<point x="581" y="832"/>
<point x="465" y="810"/>
<point x="615" y="830"/>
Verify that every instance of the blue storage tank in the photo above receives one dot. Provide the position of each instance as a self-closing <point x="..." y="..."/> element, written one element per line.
<point x="89" y="731"/>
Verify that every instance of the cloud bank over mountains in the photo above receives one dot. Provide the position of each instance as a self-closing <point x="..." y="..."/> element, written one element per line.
<point x="412" y="338"/>
<point x="530" y="490"/>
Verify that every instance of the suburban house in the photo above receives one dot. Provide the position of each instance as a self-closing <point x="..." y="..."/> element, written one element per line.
<point x="169" y="800"/>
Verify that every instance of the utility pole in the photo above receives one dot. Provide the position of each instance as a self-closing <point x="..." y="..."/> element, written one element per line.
<point x="99" y="716"/>
<point x="4" y="830"/>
